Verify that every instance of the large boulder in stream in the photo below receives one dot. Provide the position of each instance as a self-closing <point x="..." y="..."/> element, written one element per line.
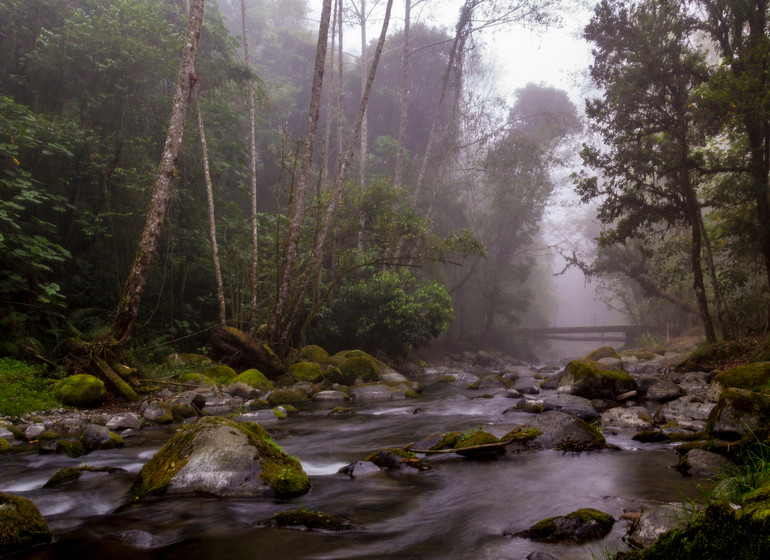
<point x="566" y="433"/>
<point x="21" y="525"/>
<point x="593" y="380"/>
<point x="219" y="457"/>
<point x="739" y="412"/>
<point x="582" y="525"/>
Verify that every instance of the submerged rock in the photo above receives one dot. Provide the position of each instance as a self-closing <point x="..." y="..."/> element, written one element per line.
<point x="135" y="538"/>
<point x="307" y="520"/>
<point x="580" y="526"/>
<point x="21" y="525"/>
<point x="71" y="474"/>
<point x="221" y="458"/>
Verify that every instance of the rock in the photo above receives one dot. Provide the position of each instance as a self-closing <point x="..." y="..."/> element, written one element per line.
<point x="739" y="412"/>
<point x="135" y="538"/>
<point x="256" y="379"/>
<point x="690" y="412"/>
<point x="360" y="468"/>
<point x="159" y="412"/>
<point x="80" y="391"/>
<point x="580" y="526"/>
<point x="635" y="417"/>
<point x="241" y="390"/>
<point x="654" y="522"/>
<point x="374" y="391"/>
<point x="5" y="447"/>
<point x="305" y="371"/>
<point x="645" y="381"/>
<point x="356" y="368"/>
<point x="594" y="381"/>
<point x="664" y="391"/>
<point x="396" y="459"/>
<point x="164" y="394"/>
<point x="70" y="474"/>
<point x="307" y="520"/>
<point x="21" y="525"/>
<point x="491" y="382"/>
<point x="540" y="555"/>
<point x="218" y="457"/>
<point x="314" y="353"/>
<point x="70" y="448"/>
<point x="330" y="396"/>
<point x="286" y="396"/>
<point x="222" y="375"/>
<point x="703" y="463"/>
<point x="614" y="363"/>
<point x="751" y="377"/>
<point x="600" y="353"/>
<point x="34" y="431"/>
<point x="124" y="421"/>
<point x="571" y="404"/>
<point x="565" y="432"/>
<point x="95" y="437"/>
<point x="551" y="382"/>
<point x="476" y="439"/>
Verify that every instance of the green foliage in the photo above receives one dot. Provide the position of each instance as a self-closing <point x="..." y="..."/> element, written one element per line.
<point x="387" y="312"/>
<point x="23" y="389"/>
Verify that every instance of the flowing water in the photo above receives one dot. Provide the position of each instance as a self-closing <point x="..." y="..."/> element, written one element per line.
<point x="458" y="509"/>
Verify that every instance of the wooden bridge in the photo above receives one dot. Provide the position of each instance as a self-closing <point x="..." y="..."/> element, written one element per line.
<point x="627" y="334"/>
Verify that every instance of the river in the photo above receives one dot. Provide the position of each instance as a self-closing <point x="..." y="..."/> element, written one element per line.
<point x="459" y="509"/>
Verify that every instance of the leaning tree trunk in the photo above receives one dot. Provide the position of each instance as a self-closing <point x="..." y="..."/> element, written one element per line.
<point x="145" y="254"/>
<point x="212" y="221"/>
<point x="253" y="175"/>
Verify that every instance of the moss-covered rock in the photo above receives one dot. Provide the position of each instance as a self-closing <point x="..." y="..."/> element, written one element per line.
<point x="222" y="375"/>
<point x="241" y="350"/>
<point x="314" y="353"/>
<point x="603" y="352"/>
<point x="359" y="367"/>
<point x="716" y="356"/>
<point x="218" y="457"/>
<point x="580" y="526"/>
<point x="287" y="396"/>
<point x="592" y="380"/>
<point x="752" y="377"/>
<point x="255" y="378"/>
<point x="70" y="448"/>
<point x="21" y="525"/>
<point x="5" y="447"/>
<point x="71" y="474"/>
<point x="396" y="459"/>
<point x="307" y="520"/>
<point x="522" y="434"/>
<point x="159" y="412"/>
<point x="80" y="391"/>
<point x="738" y="412"/>
<point x="467" y="442"/>
<point x="305" y="371"/>
<point x="193" y="378"/>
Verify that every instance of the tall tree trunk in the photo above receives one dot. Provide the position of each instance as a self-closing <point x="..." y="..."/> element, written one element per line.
<point x="300" y="193"/>
<point x="253" y="176"/>
<point x="137" y="278"/>
<point x="364" y="74"/>
<point x="212" y="221"/>
<point x="317" y="251"/>
<point x="399" y="171"/>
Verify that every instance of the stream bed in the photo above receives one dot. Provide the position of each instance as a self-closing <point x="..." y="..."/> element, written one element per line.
<point x="460" y="508"/>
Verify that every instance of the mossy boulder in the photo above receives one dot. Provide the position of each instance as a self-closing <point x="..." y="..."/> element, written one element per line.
<point x="21" y="525"/>
<point x="396" y="459"/>
<point x="467" y="442"/>
<point x="218" y="457"/>
<point x="159" y="412"/>
<point x="71" y="474"/>
<point x="566" y="432"/>
<point x="305" y="371"/>
<point x="222" y="375"/>
<point x="307" y="520"/>
<point x="72" y="449"/>
<point x="193" y="378"/>
<point x="522" y="434"/>
<point x="359" y="367"/>
<point x="603" y="352"/>
<point x="752" y="377"/>
<point x="255" y="378"/>
<point x="80" y="391"/>
<point x="5" y="447"/>
<point x="314" y="353"/>
<point x="592" y="380"/>
<point x="580" y="526"/>
<point x="739" y="412"/>
<point x="287" y="396"/>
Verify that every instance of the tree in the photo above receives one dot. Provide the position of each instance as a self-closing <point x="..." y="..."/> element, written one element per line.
<point x="137" y="279"/>
<point x="648" y="71"/>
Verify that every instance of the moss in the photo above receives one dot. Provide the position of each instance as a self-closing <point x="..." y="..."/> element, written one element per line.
<point x="762" y="354"/>
<point x="748" y="376"/>
<point x="341" y="410"/>
<point x="581" y="525"/>
<point x="21" y="525"/>
<point x="70" y="448"/>
<point x="196" y="379"/>
<point x="603" y="352"/>
<point x="222" y="375"/>
<point x="717" y="355"/>
<point x="286" y="396"/>
<point x="593" y="380"/>
<point x="255" y="378"/>
<point x="753" y="409"/>
<point x="281" y="471"/>
<point x="447" y="379"/>
<point x="314" y="353"/>
<point x="308" y="520"/>
<point x="70" y="474"/>
<point x="279" y="412"/>
<point x="80" y="391"/>
<point x="396" y="458"/>
<point x="522" y="434"/>
<point x="359" y="367"/>
<point x="475" y="438"/>
<point x="305" y="371"/>
<point x="5" y="447"/>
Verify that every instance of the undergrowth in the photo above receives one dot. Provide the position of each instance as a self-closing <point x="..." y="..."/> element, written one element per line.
<point x="23" y="389"/>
